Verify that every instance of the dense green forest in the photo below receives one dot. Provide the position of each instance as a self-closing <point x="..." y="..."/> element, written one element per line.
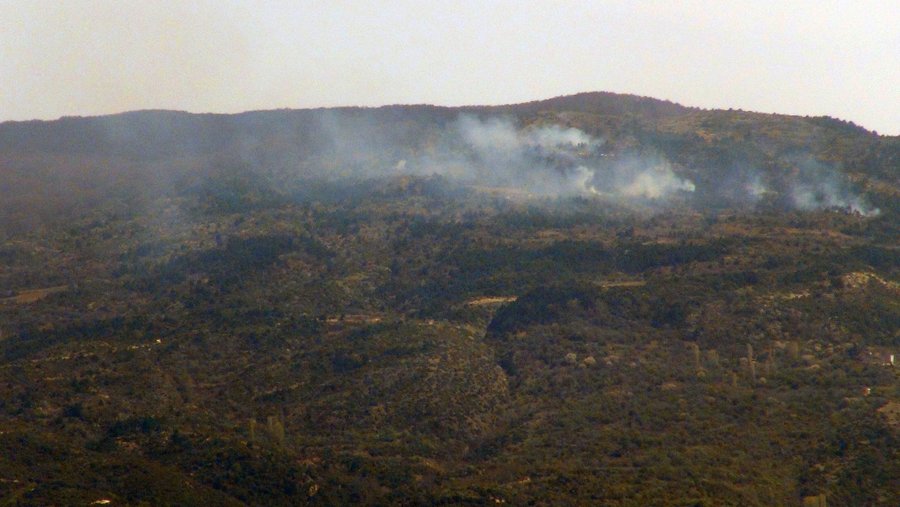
<point x="661" y="306"/>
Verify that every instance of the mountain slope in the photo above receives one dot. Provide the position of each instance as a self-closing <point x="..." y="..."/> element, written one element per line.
<point x="418" y="305"/>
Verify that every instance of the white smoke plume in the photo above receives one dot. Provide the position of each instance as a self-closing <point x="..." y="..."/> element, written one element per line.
<point x="554" y="160"/>
<point x="542" y="160"/>
<point x="822" y="187"/>
<point x="656" y="182"/>
<point x="646" y="177"/>
<point x="755" y="188"/>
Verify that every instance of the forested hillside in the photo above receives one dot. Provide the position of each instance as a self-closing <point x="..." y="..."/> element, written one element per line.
<point x="596" y="299"/>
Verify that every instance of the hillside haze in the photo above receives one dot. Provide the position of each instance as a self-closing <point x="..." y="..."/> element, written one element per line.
<point x="593" y="299"/>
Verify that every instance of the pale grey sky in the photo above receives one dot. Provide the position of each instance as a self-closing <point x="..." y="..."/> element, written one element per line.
<point x="80" y="57"/>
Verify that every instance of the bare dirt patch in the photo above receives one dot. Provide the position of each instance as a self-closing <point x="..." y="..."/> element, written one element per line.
<point x="621" y="283"/>
<point x="891" y="412"/>
<point x="491" y="300"/>
<point x="33" y="295"/>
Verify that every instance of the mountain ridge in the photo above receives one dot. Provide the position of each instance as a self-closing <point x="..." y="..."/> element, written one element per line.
<point x="595" y="101"/>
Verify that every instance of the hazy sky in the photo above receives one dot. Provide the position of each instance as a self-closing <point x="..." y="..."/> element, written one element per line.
<point x="78" y="57"/>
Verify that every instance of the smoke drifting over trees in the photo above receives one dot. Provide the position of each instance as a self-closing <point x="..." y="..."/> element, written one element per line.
<point x="819" y="186"/>
<point x="611" y="147"/>
<point x="558" y="160"/>
<point x="596" y="300"/>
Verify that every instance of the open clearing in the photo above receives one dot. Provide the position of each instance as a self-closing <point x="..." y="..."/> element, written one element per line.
<point x="34" y="295"/>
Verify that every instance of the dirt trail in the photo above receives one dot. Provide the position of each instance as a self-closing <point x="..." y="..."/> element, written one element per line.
<point x="354" y="319"/>
<point x="491" y="300"/>
<point x="621" y="283"/>
<point x="34" y="295"/>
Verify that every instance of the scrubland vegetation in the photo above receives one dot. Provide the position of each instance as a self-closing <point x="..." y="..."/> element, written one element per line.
<point x="198" y="311"/>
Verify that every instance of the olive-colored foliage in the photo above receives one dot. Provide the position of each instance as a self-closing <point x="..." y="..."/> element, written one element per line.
<point x="191" y="324"/>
